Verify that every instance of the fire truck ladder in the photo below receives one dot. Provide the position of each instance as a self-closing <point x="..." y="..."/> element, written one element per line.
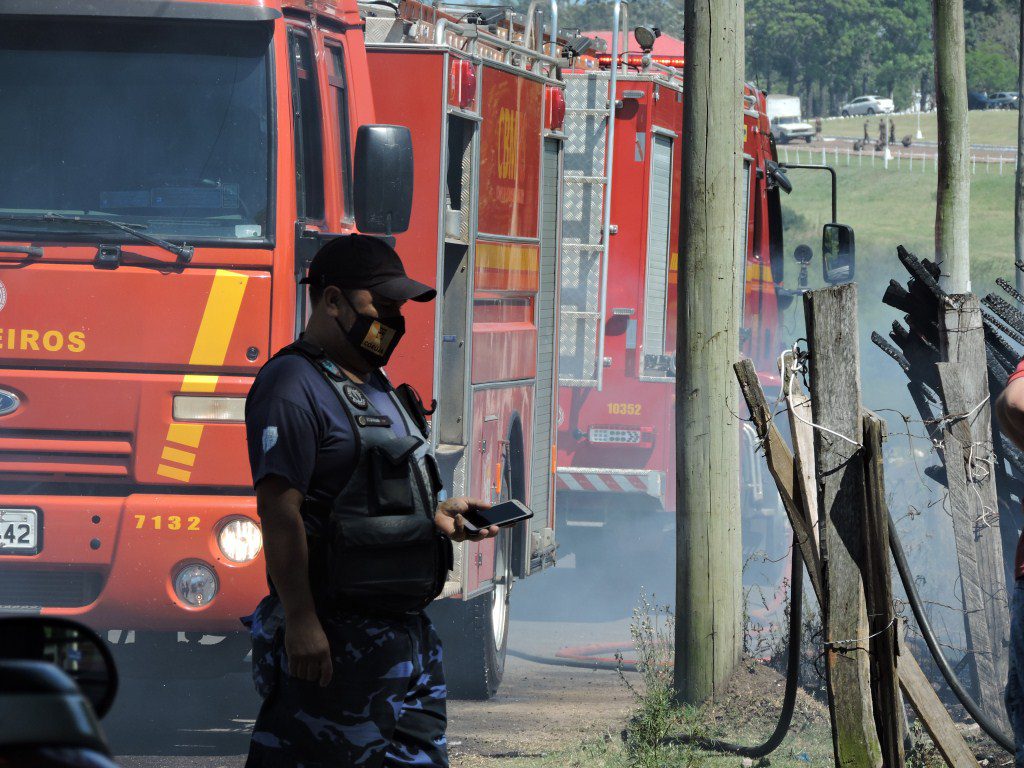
<point x="586" y="223"/>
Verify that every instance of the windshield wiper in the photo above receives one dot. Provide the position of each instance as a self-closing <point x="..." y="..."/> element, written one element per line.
<point x="182" y="252"/>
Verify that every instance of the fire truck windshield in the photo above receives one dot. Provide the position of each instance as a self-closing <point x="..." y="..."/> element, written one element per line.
<point x="163" y="124"/>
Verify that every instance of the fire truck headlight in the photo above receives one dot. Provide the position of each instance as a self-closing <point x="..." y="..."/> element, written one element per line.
<point x="195" y="584"/>
<point x="240" y="539"/>
<point x="205" y="408"/>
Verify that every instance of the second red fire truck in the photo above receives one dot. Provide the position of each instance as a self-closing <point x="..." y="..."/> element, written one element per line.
<point x="616" y="434"/>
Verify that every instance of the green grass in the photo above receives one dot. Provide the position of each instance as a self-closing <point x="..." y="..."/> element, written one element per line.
<point x="996" y="126"/>
<point x="809" y="747"/>
<point x="891" y="207"/>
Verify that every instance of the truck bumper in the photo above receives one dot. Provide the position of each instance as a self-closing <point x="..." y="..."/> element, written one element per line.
<point x="110" y="562"/>
<point x="649" y="482"/>
<point x="592" y="497"/>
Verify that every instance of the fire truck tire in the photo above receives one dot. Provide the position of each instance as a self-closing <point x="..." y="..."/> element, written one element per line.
<point x="474" y="633"/>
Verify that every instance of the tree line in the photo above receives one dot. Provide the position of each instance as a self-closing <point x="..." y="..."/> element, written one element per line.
<point x="830" y="51"/>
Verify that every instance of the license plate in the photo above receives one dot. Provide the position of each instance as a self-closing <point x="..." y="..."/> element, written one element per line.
<point x="19" y="532"/>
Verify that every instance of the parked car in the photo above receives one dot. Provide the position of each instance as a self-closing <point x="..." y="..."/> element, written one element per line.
<point x="1003" y="100"/>
<point x="978" y="100"/>
<point x="867" y="105"/>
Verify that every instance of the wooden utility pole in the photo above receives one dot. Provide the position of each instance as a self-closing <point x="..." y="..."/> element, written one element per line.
<point x="953" y="198"/>
<point x="709" y="591"/>
<point x="1018" y="211"/>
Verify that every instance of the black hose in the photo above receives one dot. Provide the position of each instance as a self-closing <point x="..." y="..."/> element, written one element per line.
<point x="796" y="599"/>
<point x="991" y="728"/>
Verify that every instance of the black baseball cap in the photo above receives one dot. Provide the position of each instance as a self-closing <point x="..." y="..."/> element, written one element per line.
<point x="362" y="261"/>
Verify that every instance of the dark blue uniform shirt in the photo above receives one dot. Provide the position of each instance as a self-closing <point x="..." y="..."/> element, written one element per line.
<point x="297" y="428"/>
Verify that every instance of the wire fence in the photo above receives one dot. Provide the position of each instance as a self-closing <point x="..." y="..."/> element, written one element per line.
<point x="893" y="159"/>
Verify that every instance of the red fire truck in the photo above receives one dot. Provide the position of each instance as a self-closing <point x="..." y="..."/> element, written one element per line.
<point x="169" y="168"/>
<point x="481" y="92"/>
<point x="616" y="446"/>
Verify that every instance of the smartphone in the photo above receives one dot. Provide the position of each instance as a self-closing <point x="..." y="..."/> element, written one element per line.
<point x="502" y="515"/>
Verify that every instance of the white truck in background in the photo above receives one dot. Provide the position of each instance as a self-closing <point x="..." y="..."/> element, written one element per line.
<point x="787" y="124"/>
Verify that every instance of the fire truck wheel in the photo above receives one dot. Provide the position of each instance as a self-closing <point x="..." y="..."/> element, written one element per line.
<point x="475" y="632"/>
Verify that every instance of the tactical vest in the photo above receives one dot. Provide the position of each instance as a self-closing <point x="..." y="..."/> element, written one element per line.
<point x="379" y="549"/>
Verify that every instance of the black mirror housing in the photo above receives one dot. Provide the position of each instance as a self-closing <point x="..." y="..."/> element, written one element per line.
<point x="383" y="179"/>
<point x="777" y="177"/>
<point x="68" y="648"/>
<point x="838" y="253"/>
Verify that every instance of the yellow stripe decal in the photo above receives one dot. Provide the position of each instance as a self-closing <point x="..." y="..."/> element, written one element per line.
<point x="219" y="318"/>
<point x="185" y="434"/>
<point x="178" y="456"/>
<point x="507" y="257"/>
<point x="174" y="473"/>
<point x="198" y="383"/>
<point x="211" y="348"/>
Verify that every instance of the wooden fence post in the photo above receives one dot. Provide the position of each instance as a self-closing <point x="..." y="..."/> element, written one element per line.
<point x="831" y="316"/>
<point x="968" y="457"/>
<point x="881" y="616"/>
<point x="784" y="468"/>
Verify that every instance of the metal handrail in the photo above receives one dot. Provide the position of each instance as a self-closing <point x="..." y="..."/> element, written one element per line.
<point x="474" y="34"/>
<point x="606" y="219"/>
<point x="552" y="34"/>
<point x="670" y="72"/>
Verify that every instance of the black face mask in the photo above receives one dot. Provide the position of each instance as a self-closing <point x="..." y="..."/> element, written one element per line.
<point x="374" y="338"/>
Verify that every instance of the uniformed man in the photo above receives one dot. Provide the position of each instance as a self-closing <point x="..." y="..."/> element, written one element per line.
<point x="356" y="544"/>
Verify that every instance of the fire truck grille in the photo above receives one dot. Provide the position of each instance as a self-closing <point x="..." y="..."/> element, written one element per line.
<point x="65" y="454"/>
<point x="48" y="589"/>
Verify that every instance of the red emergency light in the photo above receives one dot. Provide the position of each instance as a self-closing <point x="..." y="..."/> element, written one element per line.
<point x="554" y="108"/>
<point x="462" y="84"/>
<point x="637" y="60"/>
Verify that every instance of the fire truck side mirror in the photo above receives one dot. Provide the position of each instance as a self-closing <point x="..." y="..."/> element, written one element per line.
<point x="838" y="254"/>
<point x="383" y="178"/>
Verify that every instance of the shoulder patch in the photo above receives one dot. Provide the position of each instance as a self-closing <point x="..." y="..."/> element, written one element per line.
<point x="355" y="396"/>
<point x="269" y="438"/>
<point x="330" y="368"/>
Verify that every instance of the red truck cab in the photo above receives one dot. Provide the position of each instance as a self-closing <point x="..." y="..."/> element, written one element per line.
<point x="168" y="169"/>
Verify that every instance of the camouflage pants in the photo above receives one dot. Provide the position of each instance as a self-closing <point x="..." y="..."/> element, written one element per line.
<point x="384" y="707"/>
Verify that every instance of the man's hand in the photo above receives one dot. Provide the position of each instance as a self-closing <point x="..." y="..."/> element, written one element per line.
<point x="449" y="519"/>
<point x="309" y="653"/>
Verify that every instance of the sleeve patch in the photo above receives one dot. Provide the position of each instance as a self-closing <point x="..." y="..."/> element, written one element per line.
<point x="269" y="438"/>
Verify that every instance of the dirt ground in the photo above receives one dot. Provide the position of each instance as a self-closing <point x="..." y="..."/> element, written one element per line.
<point x="540" y="718"/>
<point x="539" y="709"/>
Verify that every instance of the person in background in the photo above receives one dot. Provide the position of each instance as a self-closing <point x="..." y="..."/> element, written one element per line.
<point x="1010" y="413"/>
